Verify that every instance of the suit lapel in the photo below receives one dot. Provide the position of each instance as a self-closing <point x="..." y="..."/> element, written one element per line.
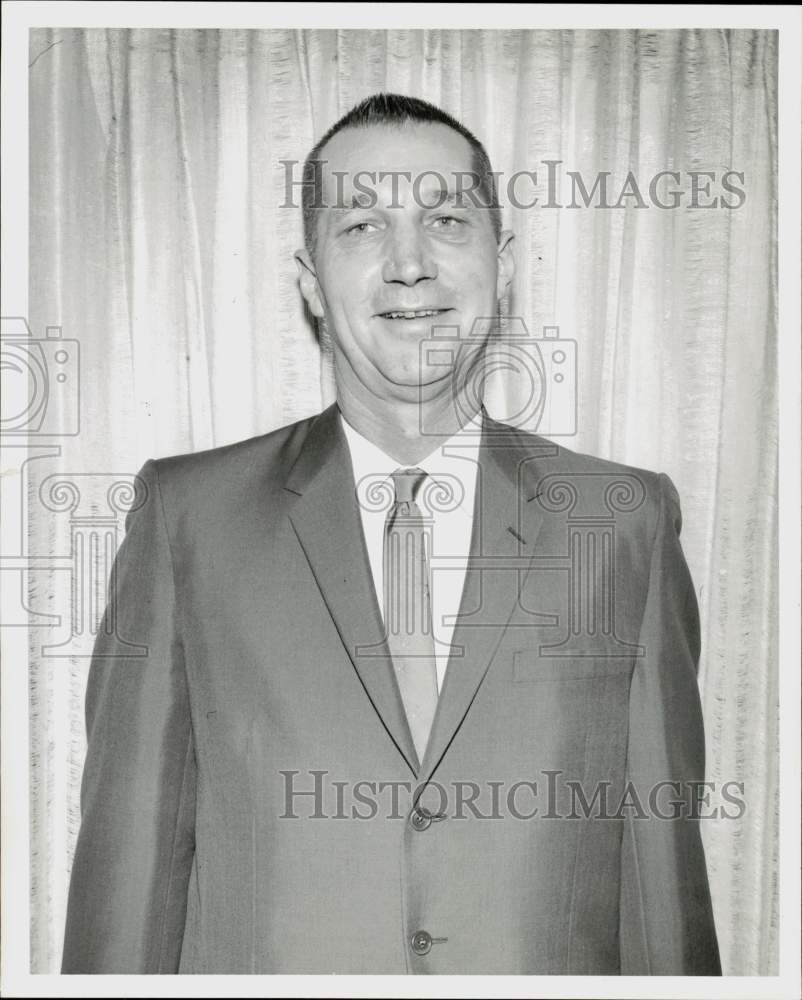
<point x="326" y="518"/>
<point x="505" y="529"/>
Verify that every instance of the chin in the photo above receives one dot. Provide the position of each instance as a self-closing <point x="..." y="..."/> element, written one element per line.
<point x="408" y="384"/>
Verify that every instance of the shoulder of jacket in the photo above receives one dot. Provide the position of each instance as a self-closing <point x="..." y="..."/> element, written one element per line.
<point x="277" y="447"/>
<point x="558" y="457"/>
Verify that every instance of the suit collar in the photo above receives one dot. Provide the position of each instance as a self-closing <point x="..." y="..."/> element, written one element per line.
<point x="320" y="449"/>
<point x="510" y="450"/>
<point x="326" y="519"/>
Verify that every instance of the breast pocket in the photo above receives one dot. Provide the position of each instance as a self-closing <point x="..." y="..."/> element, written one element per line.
<point x="530" y="667"/>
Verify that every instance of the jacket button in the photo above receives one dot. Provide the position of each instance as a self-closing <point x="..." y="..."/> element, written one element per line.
<point x="422" y="943"/>
<point x="420" y="819"/>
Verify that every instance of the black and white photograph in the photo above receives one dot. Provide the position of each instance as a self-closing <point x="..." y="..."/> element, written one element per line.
<point x="400" y="494"/>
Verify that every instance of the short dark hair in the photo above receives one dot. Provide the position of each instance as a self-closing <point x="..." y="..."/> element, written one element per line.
<point x="395" y="109"/>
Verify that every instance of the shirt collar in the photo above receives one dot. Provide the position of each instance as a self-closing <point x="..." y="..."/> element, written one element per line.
<point x="456" y="457"/>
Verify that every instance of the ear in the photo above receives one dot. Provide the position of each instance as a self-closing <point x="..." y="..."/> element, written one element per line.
<point x="506" y="262"/>
<point x="308" y="281"/>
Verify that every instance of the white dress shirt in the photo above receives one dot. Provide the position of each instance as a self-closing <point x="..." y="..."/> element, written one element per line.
<point x="452" y="468"/>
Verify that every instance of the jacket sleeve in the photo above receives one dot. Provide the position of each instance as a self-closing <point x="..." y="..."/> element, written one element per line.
<point x="128" y="887"/>
<point x="666" y="916"/>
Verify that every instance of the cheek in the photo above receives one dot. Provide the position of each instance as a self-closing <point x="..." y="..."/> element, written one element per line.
<point x="346" y="287"/>
<point x="477" y="290"/>
<point x="473" y="270"/>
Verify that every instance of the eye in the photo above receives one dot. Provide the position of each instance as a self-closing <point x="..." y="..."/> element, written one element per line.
<point x="447" y="222"/>
<point x="359" y="228"/>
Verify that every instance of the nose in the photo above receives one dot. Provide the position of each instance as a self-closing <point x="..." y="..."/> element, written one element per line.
<point x="408" y="259"/>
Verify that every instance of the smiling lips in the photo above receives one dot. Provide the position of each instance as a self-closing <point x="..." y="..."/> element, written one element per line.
<point x="411" y="313"/>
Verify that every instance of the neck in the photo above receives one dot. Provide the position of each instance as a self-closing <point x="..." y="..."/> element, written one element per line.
<point x="407" y="431"/>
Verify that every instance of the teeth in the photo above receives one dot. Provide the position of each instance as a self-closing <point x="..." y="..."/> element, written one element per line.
<point x="413" y="315"/>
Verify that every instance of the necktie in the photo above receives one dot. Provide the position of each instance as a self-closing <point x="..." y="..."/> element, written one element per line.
<point x="407" y="606"/>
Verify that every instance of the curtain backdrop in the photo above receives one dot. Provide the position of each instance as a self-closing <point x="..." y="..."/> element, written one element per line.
<point x="161" y="241"/>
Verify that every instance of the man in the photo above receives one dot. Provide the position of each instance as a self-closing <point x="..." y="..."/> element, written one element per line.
<point x="420" y="690"/>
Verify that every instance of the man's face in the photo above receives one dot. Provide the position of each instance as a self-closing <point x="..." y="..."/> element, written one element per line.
<point x="384" y="275"/>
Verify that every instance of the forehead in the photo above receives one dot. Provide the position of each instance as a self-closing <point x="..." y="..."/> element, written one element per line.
<point x="416" y="148"/>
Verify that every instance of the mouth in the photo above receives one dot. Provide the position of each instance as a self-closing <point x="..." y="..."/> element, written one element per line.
<point x="412" y="314"/>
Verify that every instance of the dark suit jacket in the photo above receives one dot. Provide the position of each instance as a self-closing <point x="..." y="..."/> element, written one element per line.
<point x="244" y="572"/>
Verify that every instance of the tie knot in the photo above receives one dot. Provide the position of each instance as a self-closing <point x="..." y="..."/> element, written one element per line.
<point x="407" y="483"/>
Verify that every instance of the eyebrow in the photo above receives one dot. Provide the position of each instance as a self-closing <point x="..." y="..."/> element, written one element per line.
<point x="443" y="197"/>
<point x="448" y="196"/>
